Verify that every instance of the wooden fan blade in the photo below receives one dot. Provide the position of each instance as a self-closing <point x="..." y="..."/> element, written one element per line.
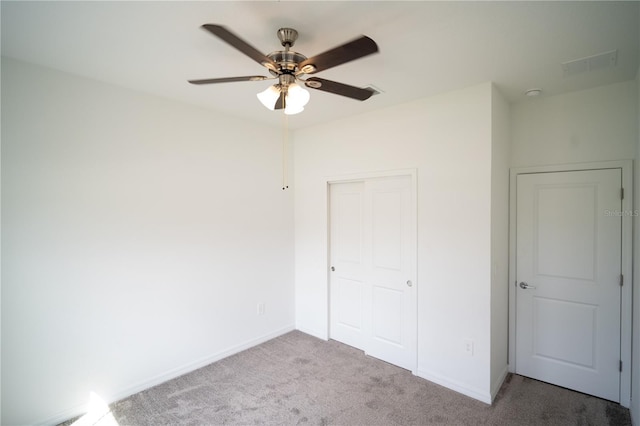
<point x="229" y="79"/>
<point x="339" y="88"/>
<point x="244" y="47"/>
<point x="355" y="49"/>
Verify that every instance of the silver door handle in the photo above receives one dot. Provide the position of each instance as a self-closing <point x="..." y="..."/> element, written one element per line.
<point x="525" y="286"/>
<point x="409" y="283"/>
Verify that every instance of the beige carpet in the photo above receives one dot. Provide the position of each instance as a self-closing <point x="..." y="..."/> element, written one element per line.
<point x="298" y="379"/>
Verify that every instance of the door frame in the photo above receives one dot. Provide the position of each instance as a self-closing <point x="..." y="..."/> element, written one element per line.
<point x="363" y="176"/>
<point x="626" y="166"/>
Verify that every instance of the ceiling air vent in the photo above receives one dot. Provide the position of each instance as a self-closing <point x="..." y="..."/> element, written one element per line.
<point x="590" y="63"/>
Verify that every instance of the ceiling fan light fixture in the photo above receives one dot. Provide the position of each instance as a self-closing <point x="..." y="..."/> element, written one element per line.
<point x="296" y="99"/>
<point x="293" y="109"/>
<point x="297" y="96"/>
<point x="269" y="97"/>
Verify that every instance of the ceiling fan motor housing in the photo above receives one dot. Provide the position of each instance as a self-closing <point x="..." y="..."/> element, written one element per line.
<point x="287" y="61"/>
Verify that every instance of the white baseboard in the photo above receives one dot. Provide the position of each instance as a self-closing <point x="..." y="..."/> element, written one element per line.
<point x="454" y="385"/>
<point x="167" y="375"/>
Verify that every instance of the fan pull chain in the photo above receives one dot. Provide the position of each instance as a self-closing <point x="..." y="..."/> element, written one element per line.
<point x="285" y="145"/>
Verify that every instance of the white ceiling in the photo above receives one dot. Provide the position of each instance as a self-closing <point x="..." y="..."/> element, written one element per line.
<point x="425" y="47"/>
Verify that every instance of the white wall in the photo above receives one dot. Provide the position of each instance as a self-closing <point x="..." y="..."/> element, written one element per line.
<point x="138" y="236"/>
<point x="500" y="151"/>
<point x="591" y="125"/>
<point x="447" y="138"/>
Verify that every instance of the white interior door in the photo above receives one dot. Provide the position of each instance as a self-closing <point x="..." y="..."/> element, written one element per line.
<point x="372" y="284"/>
<point x="568" y="261"/>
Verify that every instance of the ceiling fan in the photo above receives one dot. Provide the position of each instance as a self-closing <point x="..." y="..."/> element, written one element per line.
<point x="288" y="67"/>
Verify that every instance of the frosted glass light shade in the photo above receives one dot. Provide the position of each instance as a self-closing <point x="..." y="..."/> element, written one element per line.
<point x="291" y="109"/>
<point x="269" y="97"/>
<point x="297" y="96"/>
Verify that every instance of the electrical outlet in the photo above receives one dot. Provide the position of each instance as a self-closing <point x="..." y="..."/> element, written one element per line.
<point x="260" y="308"/>
<point x="468" y="347"/>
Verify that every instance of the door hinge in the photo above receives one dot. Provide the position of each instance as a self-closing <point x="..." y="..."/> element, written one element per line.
<point x="620" y="365"/>
<point x="622" y="193"/>
<point x="621" y="280"/>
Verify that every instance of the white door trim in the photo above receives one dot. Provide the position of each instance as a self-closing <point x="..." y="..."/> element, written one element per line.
<point x="354" y="177"/>
<point x="627" y="260"/>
